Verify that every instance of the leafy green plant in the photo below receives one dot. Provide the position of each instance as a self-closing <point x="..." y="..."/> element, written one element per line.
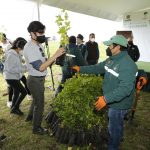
<point x="75" y="104"/>
<point x="1" y="50"/>
<point x="63" y="25"/>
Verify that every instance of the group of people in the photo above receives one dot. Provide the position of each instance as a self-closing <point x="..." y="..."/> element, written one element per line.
<point x="119" y="75"/>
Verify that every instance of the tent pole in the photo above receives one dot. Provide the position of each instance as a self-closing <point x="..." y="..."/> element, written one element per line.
<point x="38" y="10"/>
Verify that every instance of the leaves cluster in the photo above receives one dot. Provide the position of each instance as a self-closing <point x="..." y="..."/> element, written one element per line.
<point x="63" y="25"/>
<point x="75" y="104"/>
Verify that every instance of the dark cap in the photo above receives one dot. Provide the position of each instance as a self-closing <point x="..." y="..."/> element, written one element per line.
<point x="80" y="37"/>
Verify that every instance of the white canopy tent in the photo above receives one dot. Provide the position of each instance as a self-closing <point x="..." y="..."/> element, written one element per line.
<point x="107" y="9"/>
<point x="135" y="15"/>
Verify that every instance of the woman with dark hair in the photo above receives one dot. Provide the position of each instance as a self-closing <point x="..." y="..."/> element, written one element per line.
<point x="12" y="74"/>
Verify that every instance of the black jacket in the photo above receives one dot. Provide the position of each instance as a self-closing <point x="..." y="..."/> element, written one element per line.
<point x="93" y="51"/>
<point x="83" y="50"/>
<point x="133" y="52"/>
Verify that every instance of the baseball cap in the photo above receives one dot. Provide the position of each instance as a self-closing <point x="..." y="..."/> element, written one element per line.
<point x="80" y="37"/>
<point x="117" y="39"/>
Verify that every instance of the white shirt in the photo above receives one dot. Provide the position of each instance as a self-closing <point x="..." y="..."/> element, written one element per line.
<point x="32" y="53"/>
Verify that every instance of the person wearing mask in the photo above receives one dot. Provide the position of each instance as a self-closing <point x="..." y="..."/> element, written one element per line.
<point x="73" y="57"/>
<point x="133" y="50"/>
<point x="93" y="50"/>
<point x="12" y="70"/>
<point x="37" y="65"/>
<point x="81" y="46"/>
<point x="118" y="86"/>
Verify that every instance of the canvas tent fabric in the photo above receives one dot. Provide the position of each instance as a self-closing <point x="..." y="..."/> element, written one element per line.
<point x="111" y="10"/>
<point x="135" y="15"/>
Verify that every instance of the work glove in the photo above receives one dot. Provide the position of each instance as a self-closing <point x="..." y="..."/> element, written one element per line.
<point x="76" y="68"/>
<point x="141" y="82"/>
<point x="100" y="103"/>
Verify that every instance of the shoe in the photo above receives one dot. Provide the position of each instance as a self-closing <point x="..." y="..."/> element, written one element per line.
<point x="9" y="104"/>
<point x="29" y="97"/>
<point x="40" y="131"/>
<point x="29" y="118"/>
<point x="20" y="111"/>
<point x="2" y="138"/>
<point x="17" y="112"/>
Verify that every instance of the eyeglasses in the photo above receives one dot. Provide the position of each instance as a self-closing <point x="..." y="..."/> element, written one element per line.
<point x="43" y="55"/>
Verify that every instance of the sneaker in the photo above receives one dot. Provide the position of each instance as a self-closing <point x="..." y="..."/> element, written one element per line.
<point x="16" y="112"/>
<point x="40" y="131"/>
<point x="29" y="97"/>
<point x="9" y="104"/>
<point x="21" y="113"/>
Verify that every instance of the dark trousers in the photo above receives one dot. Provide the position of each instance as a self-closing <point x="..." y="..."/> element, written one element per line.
<point x="63" y="80"/>
<point x="10" y="93"/>
<point x="10" y="89"/>
<point x="24" y="81"/>
<point x="36" y="86"/>
<point x="19" y="92"/>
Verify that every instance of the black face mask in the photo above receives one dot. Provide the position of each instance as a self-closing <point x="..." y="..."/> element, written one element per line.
<point x="41" y="39"/>
<point x="108" y="52"/>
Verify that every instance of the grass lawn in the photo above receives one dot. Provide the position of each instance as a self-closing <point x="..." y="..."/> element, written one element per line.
<point x="19" y="133"/>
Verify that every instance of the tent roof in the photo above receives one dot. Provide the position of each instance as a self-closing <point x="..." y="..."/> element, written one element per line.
<point x="107" y="9"/>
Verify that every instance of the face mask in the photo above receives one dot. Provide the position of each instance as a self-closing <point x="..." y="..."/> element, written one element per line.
<point x="21" y="52"/>
<point x="108" y="52"/>
<point x="92" y="40"/>
<point x="41" y="39"/>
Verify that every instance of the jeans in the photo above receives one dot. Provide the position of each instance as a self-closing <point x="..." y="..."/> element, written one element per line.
<point x="115" y="127"/>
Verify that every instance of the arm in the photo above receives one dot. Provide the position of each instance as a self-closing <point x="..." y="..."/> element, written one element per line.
<point x="126" y="86"/>
<point x="93" y="69"/>
<point x="83" y="50"/>
<point x="41" y="66"/>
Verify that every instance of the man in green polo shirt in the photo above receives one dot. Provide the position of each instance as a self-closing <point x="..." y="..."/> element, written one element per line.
<point x="118" y="86"/>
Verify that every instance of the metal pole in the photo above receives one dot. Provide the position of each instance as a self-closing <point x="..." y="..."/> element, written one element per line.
<point x="38" y="9"/>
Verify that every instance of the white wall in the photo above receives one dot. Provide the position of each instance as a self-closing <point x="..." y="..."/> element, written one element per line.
<point x="139" y="23"/>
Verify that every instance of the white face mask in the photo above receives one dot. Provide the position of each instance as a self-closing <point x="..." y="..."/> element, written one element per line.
<point x="21" y="52"/>
<point x="92" y="39"/>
